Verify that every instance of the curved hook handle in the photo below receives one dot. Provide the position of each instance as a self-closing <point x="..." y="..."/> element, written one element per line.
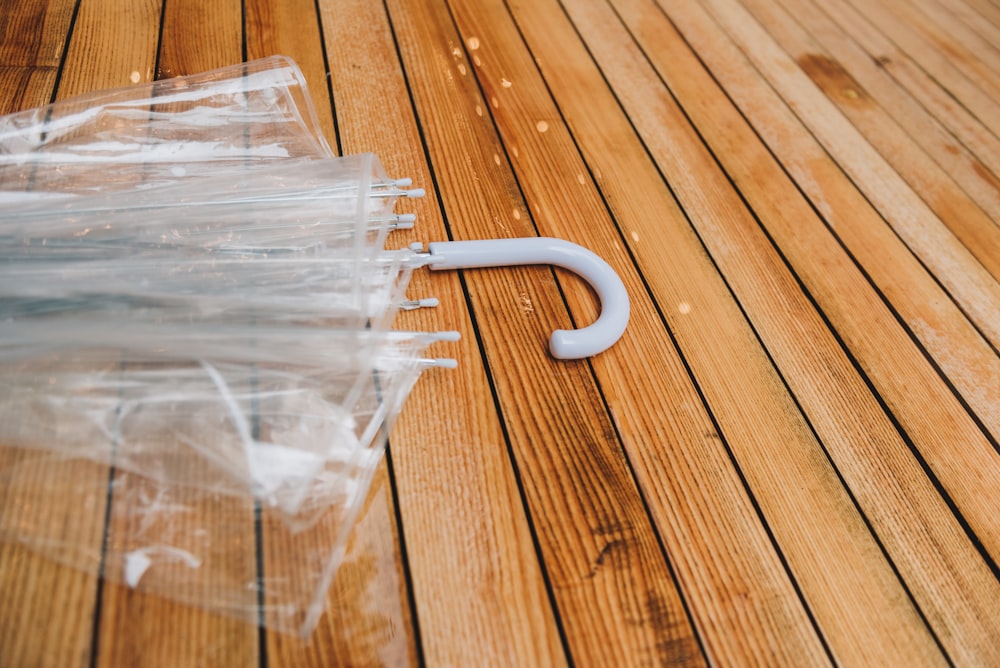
<point x="564" y="343"/>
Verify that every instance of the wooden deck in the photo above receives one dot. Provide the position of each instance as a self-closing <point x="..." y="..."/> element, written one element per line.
<point x="792" y="455"/>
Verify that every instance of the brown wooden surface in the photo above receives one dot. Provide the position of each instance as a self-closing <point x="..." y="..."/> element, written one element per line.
<point x="790" y="458"/>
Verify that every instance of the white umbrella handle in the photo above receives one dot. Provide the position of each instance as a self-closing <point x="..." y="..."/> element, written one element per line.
<point x="563" y="344"/>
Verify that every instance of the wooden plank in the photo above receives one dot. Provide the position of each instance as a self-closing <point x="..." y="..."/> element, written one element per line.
<point x="938" y="325"/>
<point x="982" y="237"/>
<point x="292" y="28"/>
<point x="34" y="34"/>
<point x="937" y="141"/>
<point x="969" y="223"/>
<point x="966" y="26"/>
<point x="977" y="94"/>
<point x="976" y="12"/>
<point x="367" y="618"/>
<point x="39" y="492"/>
<point x="135" y="626"/>
<point x="845" y="426"/>
<point x="940" y="43"/>
<point x="611" y="586"/>
<point x="811" y="360"/>
<point x="754" y="434"/>
<point x="199" y="36"/>
<point x="965" y="279"/>
<point x="113" y="44"/>
<point x="971" y="132"/>
<point x="32" y="39"/>
<point x="744" y="605"/>
<point x="172" y="617"/>
<point x="461" y="511"/>
<point x="25" y="87"/>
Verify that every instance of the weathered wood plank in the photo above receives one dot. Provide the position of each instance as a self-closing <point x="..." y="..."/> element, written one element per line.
<point x="966" y="121"/>
<point x="478" y="589"/>
<point x="943" y="147"/>
<point x="682" y="464"/>
<point x="847" y="417"/>
<point x="134" y="627"/>
<point x="610" y="583"/>
<point x="969" y="223"/>
<point x="292" y="28"/>
<point x="199" y="36"/>
<point x="956" y="63"/>
<point x="113" y="44"/>
<point x="965" y="279"/>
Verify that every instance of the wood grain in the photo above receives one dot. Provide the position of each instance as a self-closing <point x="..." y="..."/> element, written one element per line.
<point x="893" y="369"/>
<point x="789" y="458"/>
<point x="477" y="586"/>
<point x="755" y="436"/>
<point x="135" y="627"/>
<point x="199" y="36"/>
<point x="609" y="579"/>
<point x="975" y="133"/>
<point x="845" y="427"/>
<point x="49" y="510"/>
<point x="967" y="221"/>
<point x="32" y="39"/>
<point x="113" y="44"/>
<point x="920" y="125"/>
<point x="292" y="28"/>
<point x="672" y="443"/>
<point x="62" y="500"/>
<point x="950" y="61"/>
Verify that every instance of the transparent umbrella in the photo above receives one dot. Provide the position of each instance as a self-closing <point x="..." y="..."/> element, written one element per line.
<point x="195" y="292"/>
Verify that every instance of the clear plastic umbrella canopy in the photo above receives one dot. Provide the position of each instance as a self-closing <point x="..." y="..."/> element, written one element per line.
<point x="196" y="298"/>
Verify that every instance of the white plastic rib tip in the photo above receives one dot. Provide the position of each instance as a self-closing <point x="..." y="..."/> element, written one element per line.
<point x="415" y="192"/>
<point x="403" y="183"/>
<point x="564" y="343"/>
<point x="406" y="221"/>
<point x="414" y="304"/>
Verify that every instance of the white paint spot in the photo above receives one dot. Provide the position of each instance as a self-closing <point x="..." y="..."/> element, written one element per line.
<point x="461" y="69"/>
<point x="542" y="126"/>
<point x="517" y="214"/>
<point x="635" y="236"/>
<point x="581" y="179"/>
<point x="684" y="308"/>
<point x="496" y="158"/>
<point x="479" y="110"/>
<point x="514" y="151"/>
<point x="506" y="83"/>
<point x="495" y="102"/>
<point x="475" y="59"/>
<point x="135" y="77"/>
<point x="177" y="170"/>
<point x="473" y="43"/>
